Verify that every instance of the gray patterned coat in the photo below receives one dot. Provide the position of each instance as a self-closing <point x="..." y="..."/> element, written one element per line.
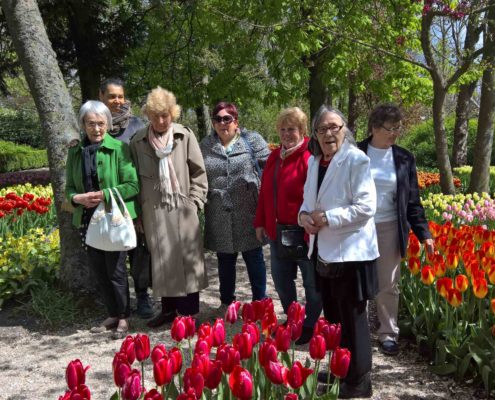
<point x="233" y="186"/>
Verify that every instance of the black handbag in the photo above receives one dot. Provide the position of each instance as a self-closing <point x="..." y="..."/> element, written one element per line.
<point x="290" y="238"/>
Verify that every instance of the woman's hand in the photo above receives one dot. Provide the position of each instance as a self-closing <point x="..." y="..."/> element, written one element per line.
<point x="429" y="246"/>
<point x="320" y="218"/>
<point x="308" y="223"/>
<point x="260" y="234"/>
<point x="89" y="199"/>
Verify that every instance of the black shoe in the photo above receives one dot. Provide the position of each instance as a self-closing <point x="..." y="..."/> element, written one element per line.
<point x="306" y="335"/>
<point x="161" y="319"/>
<point x="144" y="306"/>
<point x="362" y="389"/>
<point x="389" y="347"/>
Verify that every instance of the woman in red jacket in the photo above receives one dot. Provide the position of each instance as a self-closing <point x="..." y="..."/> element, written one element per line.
<point x="281" y="196"/>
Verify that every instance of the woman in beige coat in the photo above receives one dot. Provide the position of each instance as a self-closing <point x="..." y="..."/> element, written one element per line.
<point x="173" y="188"/>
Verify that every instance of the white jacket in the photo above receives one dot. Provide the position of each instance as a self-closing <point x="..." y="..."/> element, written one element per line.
<point x="348" y="197"/>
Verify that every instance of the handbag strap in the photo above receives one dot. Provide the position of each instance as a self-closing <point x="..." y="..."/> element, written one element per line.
<point x="275" y="190"/>
<point x="121" y="201"/>
<point x="254" y="160"/>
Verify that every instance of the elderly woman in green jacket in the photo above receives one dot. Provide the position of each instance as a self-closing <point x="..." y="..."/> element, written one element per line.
<point x="96" y="165"/>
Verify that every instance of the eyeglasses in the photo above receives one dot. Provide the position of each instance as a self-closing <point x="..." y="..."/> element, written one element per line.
<point x="332" y="128"/>
<point x="226" y="119"/>
<point x="393" y="130"/>
<point x="93" y="125"/>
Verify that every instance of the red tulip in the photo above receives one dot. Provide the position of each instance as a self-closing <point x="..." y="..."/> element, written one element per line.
<point x="202" y="347"/>
<point x="178" y="329"/>
<point x="218" y="332"/>
<point x="229" y="357"/>
<point x="66" y="395"/>
<point x="427" y="276"/>
<point x="190" y="326"/>
<point x="291" y="396"/>
<point x="443" y="286"/>
<point x="159" y="351"/>
<point x="80" y="393"/>
<point x="212" y="379"/>
<point x="339" y="364"/>
<point x="269" y="322"/>
<point x="176" y="355"/>
<point x="142" y="347"/>
<point x="282" y="338"/>
<point x="454" y="297"/>
<point x="204" y="333"/>
<point x="163" y="371"/>
<point x="296" y="313"/>
<point x="241" y="383"/>
<point x="297" y="375"/>
<point x="267" y="352"/>
<point x="317" y="347"/>
<point x="414" y="265"/>
<point x="480" y="288"/>
<point x="153" y="395"/>
<point x="121" y="369"/>
<point x="201" y="363"/>
<point x="248" y="313"/>
<point x="259" y="309"/>
<point x="195" y="380"/>
<point x="132" y="388"/>
<point x="243" y="343"/>
<point x="232" y="310"/>
<point x="461" y="282"/>
<point x="254" y="332"/>
<point x="276" y="372"/>
<point x="189" y="395"/>
<point x="128" y="348"/>
<point x="75" y="374"/>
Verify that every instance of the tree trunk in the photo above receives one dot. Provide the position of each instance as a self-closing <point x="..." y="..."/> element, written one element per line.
<point x="203" y="121"/>
<point x="317" y="90"/>
<point x="441" y="145"/>
<point x="58" y="122"/>
<point x="459" y="148"/>
<point x="480" y="175"/>
<point x="352" y="106"/>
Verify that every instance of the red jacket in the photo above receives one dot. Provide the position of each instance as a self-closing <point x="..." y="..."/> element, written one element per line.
<point x="290" y="189"/>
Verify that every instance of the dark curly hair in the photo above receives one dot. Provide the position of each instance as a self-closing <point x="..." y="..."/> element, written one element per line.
<point x="384" y="113"/>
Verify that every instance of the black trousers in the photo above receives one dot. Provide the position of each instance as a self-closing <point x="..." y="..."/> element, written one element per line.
<point x="185" y="305"/>
<point x="344" y="307"/>
<point x="110" y="271"/>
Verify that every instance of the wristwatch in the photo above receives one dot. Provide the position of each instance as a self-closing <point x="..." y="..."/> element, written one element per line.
<point x="324" y="218"/>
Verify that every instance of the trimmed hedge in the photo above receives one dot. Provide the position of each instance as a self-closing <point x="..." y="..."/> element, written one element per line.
<point x="21" y="126"/>
<point x="15" y="157"/>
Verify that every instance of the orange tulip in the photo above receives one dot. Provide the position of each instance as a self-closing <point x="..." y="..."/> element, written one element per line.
<point x="480" y="288"/>
<point x="492" y="305"/>
<point x="434" y="228"/>
<point x="488" y="248"/>
<point x="454" y="297"/>
<point x="443" y="286"/>
<point x="414" y="248"/>
<point x="440" y="269"/>
<point x="469" y="246"/>
<point x="452" y="260"/>
<point x="414" y="265"/>
<point x="461" y="282"/>
<point x="427" y="276"/>
<point x="491" y="275"/>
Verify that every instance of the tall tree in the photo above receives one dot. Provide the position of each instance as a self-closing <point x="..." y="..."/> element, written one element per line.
<point x="480" y="175"/>
<point x="59" y="125"/>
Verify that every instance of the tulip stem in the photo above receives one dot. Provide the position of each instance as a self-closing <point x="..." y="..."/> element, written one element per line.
<point x="293" y="352"/>
<point x="328" y="373"/>
<point x="317" y="367"/>
<point x="190" y="350"/>
<point x="142" y="374"/>
<point x="168" y="389"/>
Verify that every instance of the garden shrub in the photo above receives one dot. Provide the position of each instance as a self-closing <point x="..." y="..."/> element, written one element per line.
<point x="420" y="140"/>
<point x="21" y="126"/>
<point x="14" y="157"/>
<point x="464" y="173"/>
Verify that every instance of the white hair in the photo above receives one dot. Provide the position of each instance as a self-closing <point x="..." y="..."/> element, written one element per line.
<point x="94" y="107"/>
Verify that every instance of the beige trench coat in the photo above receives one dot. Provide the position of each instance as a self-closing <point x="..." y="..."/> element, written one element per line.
<point x="173" y="236"/>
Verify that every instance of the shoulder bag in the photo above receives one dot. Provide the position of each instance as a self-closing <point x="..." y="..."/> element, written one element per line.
<point x="111" y="230"/>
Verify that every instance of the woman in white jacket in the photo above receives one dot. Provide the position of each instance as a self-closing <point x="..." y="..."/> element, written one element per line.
<point x="337" y="213"/>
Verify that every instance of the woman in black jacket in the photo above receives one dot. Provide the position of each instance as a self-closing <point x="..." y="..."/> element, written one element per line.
<point x="398" y="209"/>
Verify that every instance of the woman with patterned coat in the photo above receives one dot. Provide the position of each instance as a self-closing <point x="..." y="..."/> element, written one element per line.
<point x="233" y="160"/>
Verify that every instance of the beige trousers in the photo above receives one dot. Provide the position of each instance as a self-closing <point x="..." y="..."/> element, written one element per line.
<point x="388" y="268"/>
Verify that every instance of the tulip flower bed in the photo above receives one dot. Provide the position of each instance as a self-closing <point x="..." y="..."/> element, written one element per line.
<point x="430" y="179"/>
<point x="464" y="174"/>
<point x="258" y="364"/>
<point x="449" y="297"/>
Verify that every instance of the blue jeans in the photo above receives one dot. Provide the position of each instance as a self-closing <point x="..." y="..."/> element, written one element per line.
<point x="284" y="274"/>
<point x="256" y="269"/>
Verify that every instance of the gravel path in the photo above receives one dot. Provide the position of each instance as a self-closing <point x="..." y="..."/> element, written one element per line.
<point x="33" y="361"/>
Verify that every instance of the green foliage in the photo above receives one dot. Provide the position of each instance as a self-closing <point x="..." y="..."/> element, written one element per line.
<point x="464" y="174"/>
<point x="420" y="140"/>
<point x="21" y="126"/>
<point x="18" y="157"/>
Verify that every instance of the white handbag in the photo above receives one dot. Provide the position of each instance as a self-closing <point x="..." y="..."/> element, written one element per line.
<point x="111" y="230"/>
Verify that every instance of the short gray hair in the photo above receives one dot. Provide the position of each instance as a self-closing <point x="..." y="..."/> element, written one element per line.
<point x="313" y="145"/>
<point x="94" y="107"/>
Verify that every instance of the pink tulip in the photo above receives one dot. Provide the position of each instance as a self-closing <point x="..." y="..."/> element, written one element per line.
<point x="267" y="352"/>
<point x="218" y="332"/>
<point x="253" y="330"/>
<point x="153" y="395"/>
<point x="132" y="388"/>
<point x="241" y="383"/>
<point x="128" y="348"/>
<point x="229" y="357"/>
<point x="276" y="373"/>
<point x="121" y="369"/>
<point x="232" y="310"/>
<point x="75" y="374"/>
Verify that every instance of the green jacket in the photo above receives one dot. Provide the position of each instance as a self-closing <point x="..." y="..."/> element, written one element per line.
<point x="115" y="170"/>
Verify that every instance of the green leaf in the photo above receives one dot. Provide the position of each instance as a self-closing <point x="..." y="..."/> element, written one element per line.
<point x="115" y="396"/>
<point x="444" y="369"/>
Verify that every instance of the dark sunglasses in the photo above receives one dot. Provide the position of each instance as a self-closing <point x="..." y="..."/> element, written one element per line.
<point x="226" y="119"/>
